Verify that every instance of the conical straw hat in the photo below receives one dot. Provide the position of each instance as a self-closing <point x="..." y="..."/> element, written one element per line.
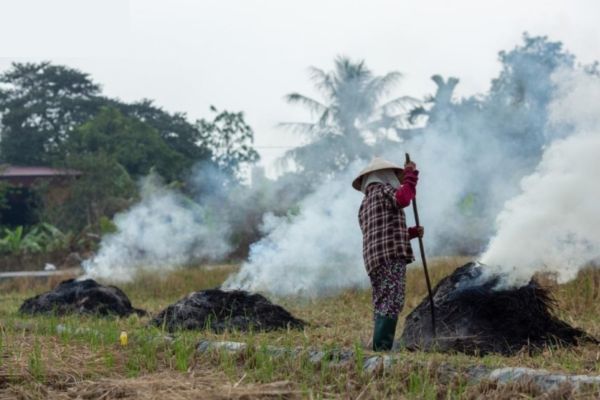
<point x="376" y="164"/>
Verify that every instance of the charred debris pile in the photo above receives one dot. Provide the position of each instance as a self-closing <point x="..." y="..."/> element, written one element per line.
<point x="212" y="309"/>
<point x="475" y="317"/>
<point x="81" y="297"/>
<point x="220" y="310"/>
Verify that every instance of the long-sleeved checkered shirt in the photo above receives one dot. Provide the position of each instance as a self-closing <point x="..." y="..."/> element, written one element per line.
<point x="386" y="238"/>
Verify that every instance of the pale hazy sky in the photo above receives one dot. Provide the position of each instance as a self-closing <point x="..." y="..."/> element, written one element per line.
<point x="247" y="54"/>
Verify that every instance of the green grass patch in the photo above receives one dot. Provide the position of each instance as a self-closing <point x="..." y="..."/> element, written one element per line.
<point x="35" y="351"/>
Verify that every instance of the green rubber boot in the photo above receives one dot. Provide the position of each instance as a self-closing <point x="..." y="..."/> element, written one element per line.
<point x="383" y="333"/>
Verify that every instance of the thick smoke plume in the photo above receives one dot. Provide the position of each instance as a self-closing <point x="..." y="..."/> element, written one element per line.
<point x="472" y="153"/>
<point x="553" y="225"/>
<point x="316" y="252"/>
<point x="163" y="231"/>
<point x="207" y="221"/>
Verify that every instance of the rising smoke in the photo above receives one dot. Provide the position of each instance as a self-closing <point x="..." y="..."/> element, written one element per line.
<point x="473" y="155"/>
<point x="163" y="231"/>
<point x="553" y="225"/>
<point x="170" y="228"/>
<point x="314" y="253"/>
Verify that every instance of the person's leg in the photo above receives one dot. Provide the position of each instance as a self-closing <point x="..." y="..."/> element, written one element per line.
<point x="388" y="283"/>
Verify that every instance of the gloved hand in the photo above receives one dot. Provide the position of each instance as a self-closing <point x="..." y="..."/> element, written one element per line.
<point x="410" y="175"/>
<point x="416" y="231"/>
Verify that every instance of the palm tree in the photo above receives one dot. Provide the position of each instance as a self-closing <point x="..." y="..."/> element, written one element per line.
<point x="352" y="121"/>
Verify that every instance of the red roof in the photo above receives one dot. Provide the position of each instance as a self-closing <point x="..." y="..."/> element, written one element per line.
<point x="15" y="171"/>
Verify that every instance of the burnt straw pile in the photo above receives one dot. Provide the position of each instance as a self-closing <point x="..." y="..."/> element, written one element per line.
<point x="81" y="297"/>
<point x="220" y="310"/>
<point x="475" y="317"/>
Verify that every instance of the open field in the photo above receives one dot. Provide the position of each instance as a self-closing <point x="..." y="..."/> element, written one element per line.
<point x="80" y="357"/>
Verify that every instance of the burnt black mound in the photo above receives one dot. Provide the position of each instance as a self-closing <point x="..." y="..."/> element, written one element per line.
<point x="475" y="317"/>
<point x="81" y="297"/>
<point x="220" y="310"/>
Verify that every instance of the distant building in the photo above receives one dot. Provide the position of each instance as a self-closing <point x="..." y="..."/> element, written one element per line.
<point x="30" y="176"/>
<point x="21" y="199"/>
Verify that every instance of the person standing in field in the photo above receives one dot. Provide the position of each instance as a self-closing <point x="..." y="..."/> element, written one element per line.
<point x="388" y="189"/>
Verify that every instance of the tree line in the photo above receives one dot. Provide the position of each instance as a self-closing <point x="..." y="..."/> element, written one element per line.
<point x="54" y="115"/>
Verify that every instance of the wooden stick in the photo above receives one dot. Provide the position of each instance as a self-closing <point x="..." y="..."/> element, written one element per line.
<point x="422" y="248"/>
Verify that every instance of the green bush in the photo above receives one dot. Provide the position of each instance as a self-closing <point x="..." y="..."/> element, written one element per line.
<point x="40" y="238"/>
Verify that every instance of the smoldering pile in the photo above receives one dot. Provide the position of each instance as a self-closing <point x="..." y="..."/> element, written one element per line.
<point x="81" y="297"/>
<point x="474" y="317"/>
<point x="220" y="310"/>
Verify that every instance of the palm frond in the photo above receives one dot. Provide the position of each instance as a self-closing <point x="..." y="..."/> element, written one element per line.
<point x="417" y="113"/>
<point x="403" y="104"/>
<point x="381" y="86"/>
<point x="308" y="129"/>
<point x="323" y="81"/>
<point x="324" y="118"/>
<point x="349" y="115"/>
<point x="313" y="105"/>
<point x="298" y="126"/>
<point x="348" y="70"/>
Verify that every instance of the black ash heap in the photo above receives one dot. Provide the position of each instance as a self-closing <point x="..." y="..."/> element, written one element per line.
<point x="474" y="316"/>
<point x="220" y="310"/>
<point x="81" y="297"/>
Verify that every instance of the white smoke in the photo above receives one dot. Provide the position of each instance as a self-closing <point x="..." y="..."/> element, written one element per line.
<point x="317" y="252"/>
<point x="553" y="225"/>
<point x="467" y="175"/>
<point x="164" y="230"/>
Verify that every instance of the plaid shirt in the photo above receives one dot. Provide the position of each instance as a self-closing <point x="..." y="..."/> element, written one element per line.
<point x="383" y="224"/>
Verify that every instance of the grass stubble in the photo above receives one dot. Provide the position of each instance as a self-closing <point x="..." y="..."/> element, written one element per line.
<point x="72" y="357"/>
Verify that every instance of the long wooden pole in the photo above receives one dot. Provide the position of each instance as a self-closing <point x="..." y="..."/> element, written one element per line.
<point x="422" y="248"/>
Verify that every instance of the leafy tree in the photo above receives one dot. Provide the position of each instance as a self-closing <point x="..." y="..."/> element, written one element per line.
<point x="103" y="189"/>
<point x="441" y="105"/>
<point x="513" y="116"/>
<point x="133" y="144"/>
<point x="40" y="104"/>
<point x="230" y="139"/>
<point x="350" y="119"/>
<point x="521" y="93"/>
<point x="527" y="69"/>
<point x="500" y="135"/>
<point x="180" y="135"/>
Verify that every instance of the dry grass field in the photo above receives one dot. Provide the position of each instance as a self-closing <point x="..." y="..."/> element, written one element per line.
<point x="81" y="357"/>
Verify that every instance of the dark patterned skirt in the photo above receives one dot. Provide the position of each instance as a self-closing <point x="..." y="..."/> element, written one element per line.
<point x="388" y="283"/>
